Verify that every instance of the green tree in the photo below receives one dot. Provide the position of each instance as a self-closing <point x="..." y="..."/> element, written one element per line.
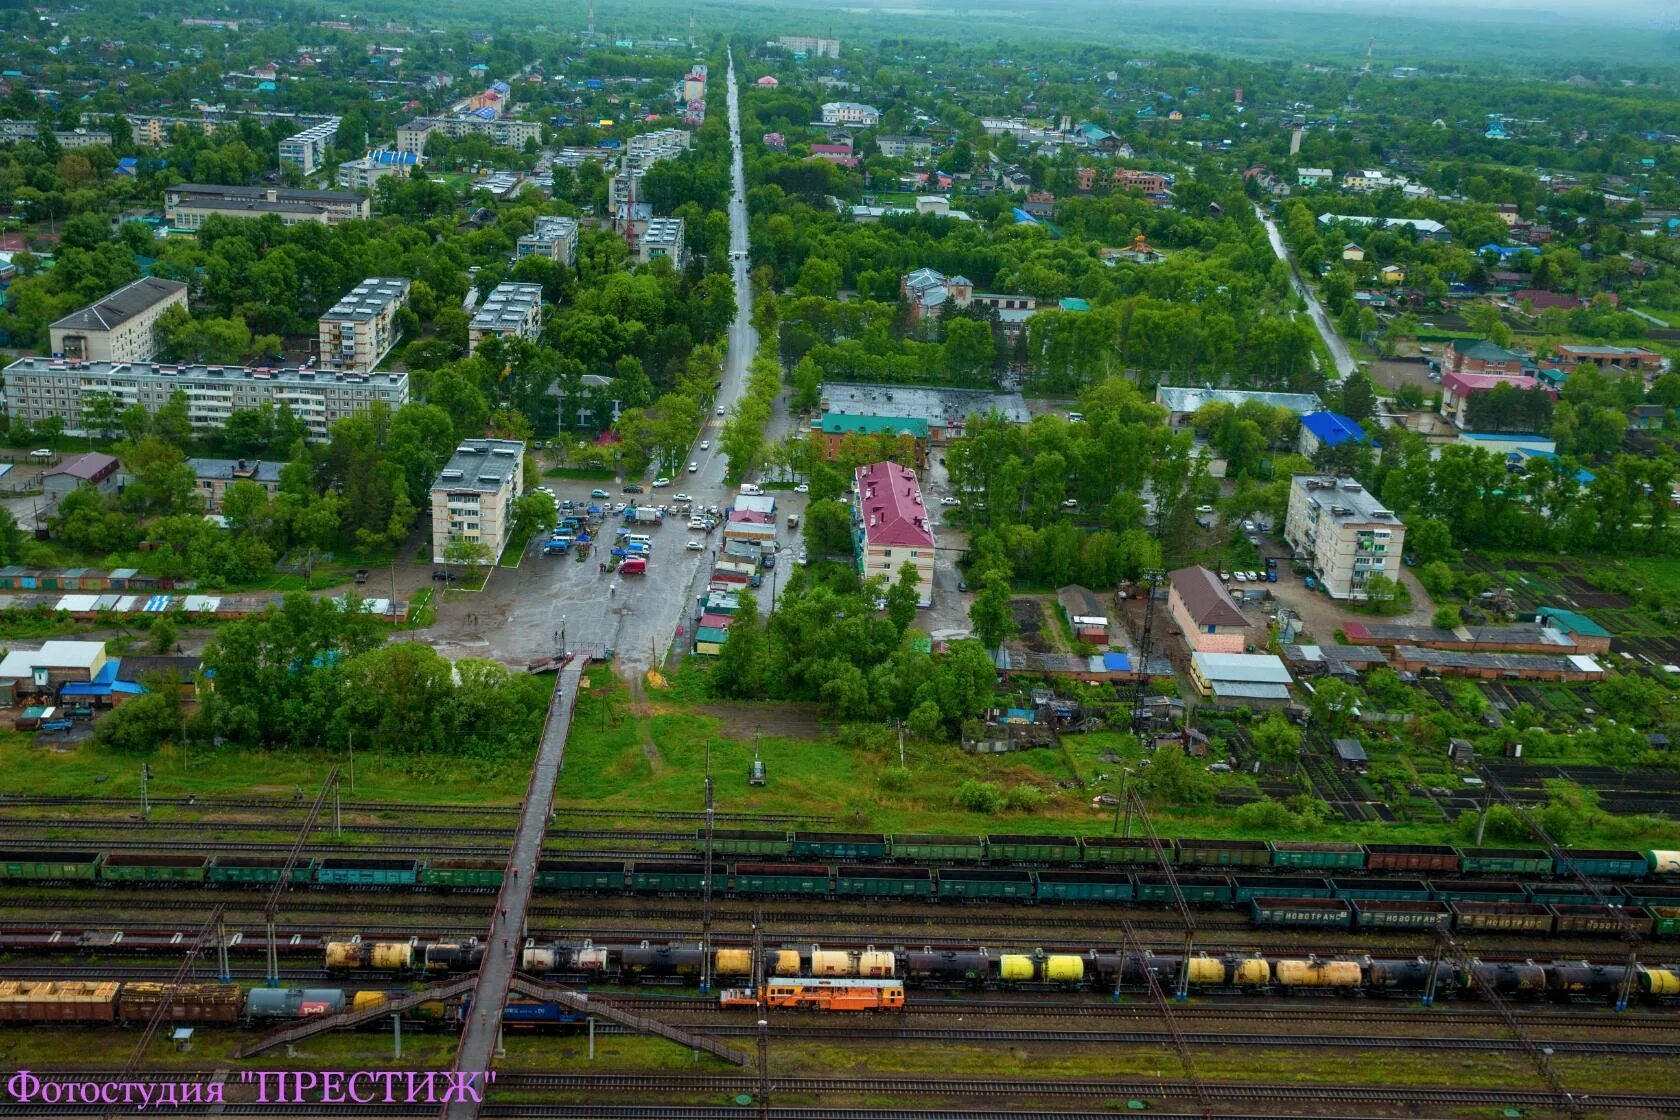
<point x="1445" y="617"/>
<point x="989" y="614"/>
<point x="903" y="597"/>
<point x="968" y="350"/>
<point x="739" y="673"/>
<point x="101" y="413"/>
<point x="1277" y="740"/>
<point x="1628" y="698"/>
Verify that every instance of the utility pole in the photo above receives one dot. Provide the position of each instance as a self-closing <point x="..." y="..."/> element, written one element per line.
<point x="145" y="801"/>
<point x="1145" y="642"/>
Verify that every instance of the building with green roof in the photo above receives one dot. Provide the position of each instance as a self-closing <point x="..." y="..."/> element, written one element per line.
<point x="836" y="426"/>
<point x="1589" y="636"/>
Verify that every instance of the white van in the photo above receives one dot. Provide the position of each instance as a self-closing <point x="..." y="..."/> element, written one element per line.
<point x="750" y="488"/>
<point x="641" y="539"/>
<point x="41" y="455"/>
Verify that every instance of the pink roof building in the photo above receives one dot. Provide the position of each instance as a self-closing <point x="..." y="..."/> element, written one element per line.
<point x="892" y="526"/>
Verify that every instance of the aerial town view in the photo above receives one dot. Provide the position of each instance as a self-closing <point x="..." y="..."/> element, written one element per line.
<point x="622" y="560"/>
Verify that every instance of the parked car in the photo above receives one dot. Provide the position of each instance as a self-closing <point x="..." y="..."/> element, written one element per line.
<point x="631" y="488"/>
<point x="661" y="481"/>
<point x="681" y="497"/>
<point x="802" y="488"/>
<point x="949" y="502"/>
<point x="599" y="493"/>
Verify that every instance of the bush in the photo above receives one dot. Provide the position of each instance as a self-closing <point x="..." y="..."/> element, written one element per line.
<point x="1445" y="617"/>
<point x="979" y="797"/>
<point x="894" y="779"/>
<point x="1437" y="579"/>
<point x="1264" y="815"/>
<point x="1025" y="799"/>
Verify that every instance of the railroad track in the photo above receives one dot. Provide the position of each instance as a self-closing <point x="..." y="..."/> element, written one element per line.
<point x="215" y="803"/>
<point x="931" y="1087"/>
<point x="102" y="825"/>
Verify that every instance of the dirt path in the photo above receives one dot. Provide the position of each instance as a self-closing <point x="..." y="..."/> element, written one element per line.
<point x="643" y="712"/>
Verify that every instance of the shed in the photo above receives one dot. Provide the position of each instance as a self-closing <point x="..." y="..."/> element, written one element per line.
<point x="1350" y="754"/>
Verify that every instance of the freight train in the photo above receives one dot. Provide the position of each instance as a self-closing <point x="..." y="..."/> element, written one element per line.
<point x="1650" y="905"/>
<point x="1036" y="970"/>
<point x="106" y="1002"/>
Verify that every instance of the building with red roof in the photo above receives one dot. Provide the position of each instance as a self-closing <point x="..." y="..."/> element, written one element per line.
<point x="1458" y="388"/>
<point x="891" y="526"/>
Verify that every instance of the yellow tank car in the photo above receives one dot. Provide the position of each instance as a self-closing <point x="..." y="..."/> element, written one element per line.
<point x="782" y="962"/>
<point x="1015" y="967"/>
<point x="1659" y="981"/>
<point x="344" y="955"/>
<point x="364" y="1000"/>
<point x="1064" y="969"/>
<point x="1207" y="970"/>
<point x="1251" y="972"/>
<point x="1318" y="974"/>
<point x="398" y="956"/>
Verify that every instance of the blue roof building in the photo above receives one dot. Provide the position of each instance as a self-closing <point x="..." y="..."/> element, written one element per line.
<point x="1327" y="429"/>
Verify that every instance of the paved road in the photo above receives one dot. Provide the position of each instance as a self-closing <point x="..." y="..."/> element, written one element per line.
<point x="1345" y="364"/>
<point x="522" y="615"/>
<point x="507" y="923"/>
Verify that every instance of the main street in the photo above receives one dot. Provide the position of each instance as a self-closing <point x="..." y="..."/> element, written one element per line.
<point x="521" y="614"/>
<point x="1345" y="365"/>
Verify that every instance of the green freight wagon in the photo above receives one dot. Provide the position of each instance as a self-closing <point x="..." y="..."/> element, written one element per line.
<point x="48" y="867"/>
<point x="1396" y="890"/>
<point x="345" y="871"/>
<point x="939" y="849"/>
<point x="579" y="875"/>
<point x="463" y="874"/>
<point x="1392" y="913"/>
<point x="781" y="878"/>
<point x="1033" y="849"/>
<point x="848" y="846"/>
<point x="1084" y="886"/>
<point x="1309" y="855"/>
<point x="1307" y="913"/>
<point x="668" y="878"/>
<point x="1650" y="894"/>
<point x="1198" y="890"/>
<point x="1247" y="888"/>
<point x="258" y="871"/>
<point x="858" y="881"/>
<point x="1665" y="921"/>
<point x="984" y="882"/>
<point x="1595" y="863"/>
<point x="1504" y="861"/>
<point x="1479" y="890"/>
<point x="141" y="867"/>
<point x="1501" y="917"/>
<point x="1125" y="850"/>
<point x="1224" y="853"/>
<point x="745" y="842"/>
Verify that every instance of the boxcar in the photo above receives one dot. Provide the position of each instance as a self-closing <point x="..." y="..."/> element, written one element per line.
<point x="781" y="878"/>
<point x="1126" y="850"/>
<point x="1502" y="917"/>
<point x="357" y="872"/>
<point x="1434" y="858"/>
<point x="1224" y="853"/>
<point x="667" y="878"/>
<point x="984" y="882"/>
<point x="1395" y="890"/>
<point x="188" y="1003"/>
<point x="1478" y="890"/>
<point x="1596" y="863"/>
<point x="1033" y="849"/>
<point x="856" y="881"/>
<point x="260" y="871"/>
<point x="1591" y="920"/>
<point x="463" y="874"/>
<point x="1246" y="888"/>
<point x="850" y="846"/>
<point x="1504" y="861"/>
<point x="1651" y="894"/>
<point x="938" y="849"/>
<point x="1568" y="894"/>
<point x="48" y="867"/>
<point x="1198" y="890"/>
<point x="1390" y="913"/>
<point x="143" y="867"/>
<point x="1084" y="886"/>
<point x="1307" y="854"/>
<point x="58" y="1001"/>
<point x="579" y="875"/>
<point x="744" y="842"/>
<point x="1313" y="913"/>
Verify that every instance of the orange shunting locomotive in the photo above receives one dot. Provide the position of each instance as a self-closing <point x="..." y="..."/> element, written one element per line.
<point x="821" y="993"/>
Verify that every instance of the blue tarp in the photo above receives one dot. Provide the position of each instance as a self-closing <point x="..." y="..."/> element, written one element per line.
<point x="1117" y="662"/>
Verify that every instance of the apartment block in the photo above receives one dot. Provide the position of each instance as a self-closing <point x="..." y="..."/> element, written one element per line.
<point x="1343" y="532"/>
<point x="122" y="327"/>
<point x="12" y="132"/>
<point x="189" y="205"/>
<point x="893" y="147"/>
<point x="891" y="527"/>
<point x="362" y="174"/>
<point x="472" y="498"/>
<point x="510" y="311"/>
<point x="662" y="239"/>
<point x="814" y="45"/>
<point x="412" y="137"/>
<point x="361" y="328"/>
<point x="212" y="477"/>
<point x="553" y="237"/>
<point x="307" y="150"/>
<point x="37" y="388"/>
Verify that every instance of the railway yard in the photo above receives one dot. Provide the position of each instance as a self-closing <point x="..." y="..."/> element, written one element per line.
<point x="927" y="975"/>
